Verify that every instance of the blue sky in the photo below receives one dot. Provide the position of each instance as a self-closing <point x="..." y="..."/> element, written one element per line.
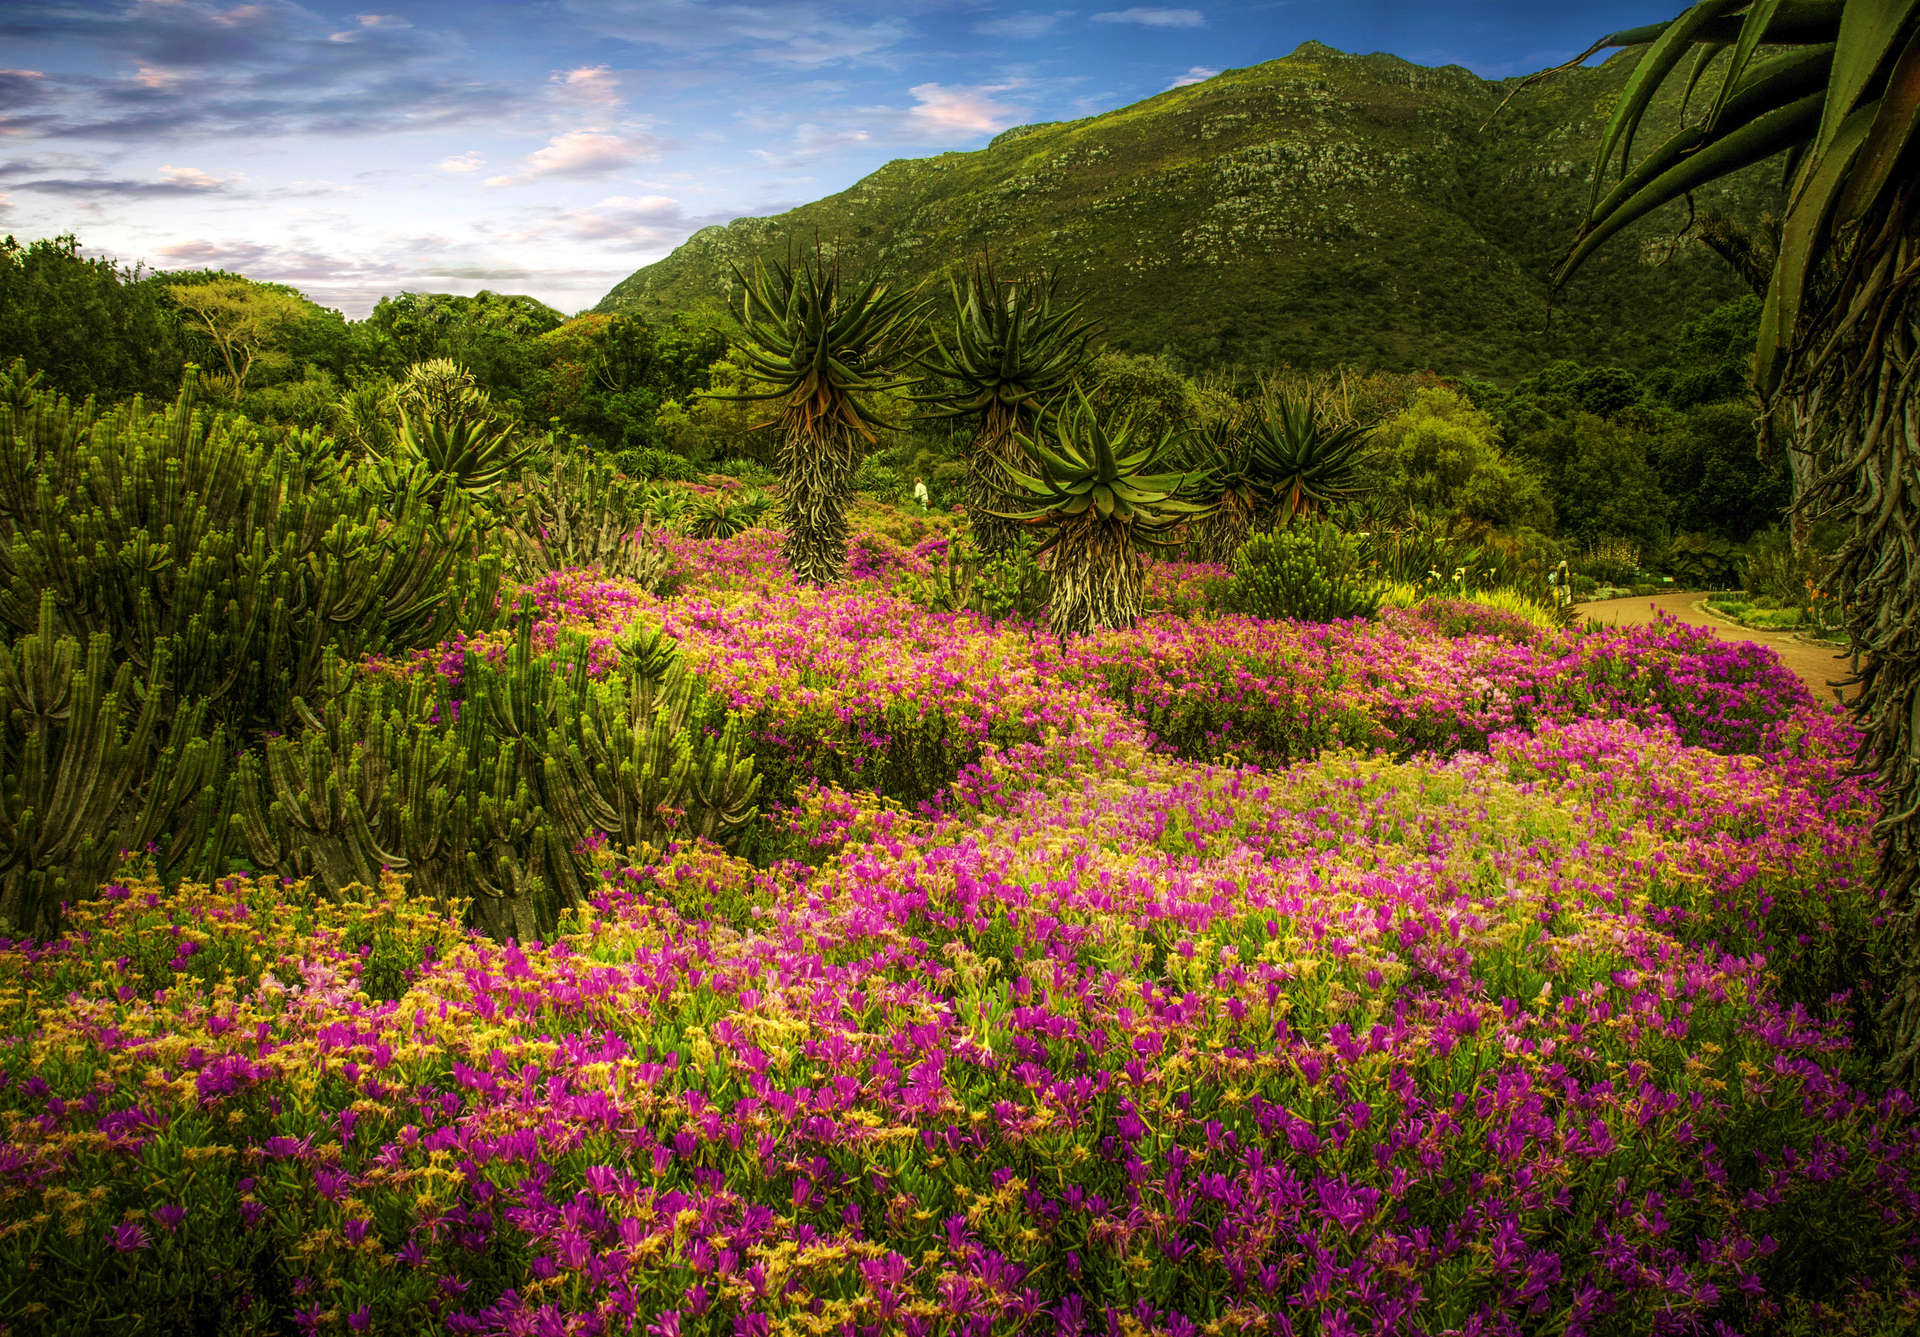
<point x="552" y="148"/>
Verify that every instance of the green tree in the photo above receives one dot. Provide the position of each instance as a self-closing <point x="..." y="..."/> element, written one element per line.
<point x="94" y="327"/>
<point x="1442" y="455"/>
<point x="239" y="318"/>
<point x="1104" y="490"/>
<point x="1837" y="87"/>
<point x="1719" y="480"/>
<point x="607" y="376"/>
<point x="1600" y="476"/>
<point x="1014" y="352"/>
<point x="824" y="348"/>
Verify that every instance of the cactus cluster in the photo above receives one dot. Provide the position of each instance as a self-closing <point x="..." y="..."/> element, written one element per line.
<point x="171" y="585"/>
<point x="85" y="775"/>
<point x="581" y="512"/>
<point x="248" y="560"/>
<point x="499" y="796"/>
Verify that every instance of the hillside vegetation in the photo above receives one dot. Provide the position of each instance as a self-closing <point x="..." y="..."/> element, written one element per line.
<point x="1317" y="209"/>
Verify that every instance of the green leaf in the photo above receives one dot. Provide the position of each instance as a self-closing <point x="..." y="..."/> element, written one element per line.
<point x="1868" y="31"/>
<point x="1759" y="18"/>
<point x="1801" y="236"/>
<point x="1750" y="143"/>
<point x="1896" y="116"/>
<point x="1661" y="57"/>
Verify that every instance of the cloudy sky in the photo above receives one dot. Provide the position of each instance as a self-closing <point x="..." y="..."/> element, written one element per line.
<point x="552" y="147"/>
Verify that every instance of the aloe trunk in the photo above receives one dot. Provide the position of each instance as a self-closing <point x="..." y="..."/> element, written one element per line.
<point x="1097" y="575"/>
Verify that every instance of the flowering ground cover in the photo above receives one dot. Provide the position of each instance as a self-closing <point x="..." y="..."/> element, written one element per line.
<point x="1431" y="975"/>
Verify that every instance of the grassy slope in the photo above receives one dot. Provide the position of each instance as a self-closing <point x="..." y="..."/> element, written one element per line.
<point x="1314" y="209"/>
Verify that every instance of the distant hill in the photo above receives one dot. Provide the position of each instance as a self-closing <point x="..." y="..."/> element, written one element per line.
<point x="1316" y="209"/>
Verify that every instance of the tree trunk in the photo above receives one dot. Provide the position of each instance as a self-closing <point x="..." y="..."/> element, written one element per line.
<point x="1097" y="577"/>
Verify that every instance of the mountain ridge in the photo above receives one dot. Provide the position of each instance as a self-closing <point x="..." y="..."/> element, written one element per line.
<point x="1318" y="208"/>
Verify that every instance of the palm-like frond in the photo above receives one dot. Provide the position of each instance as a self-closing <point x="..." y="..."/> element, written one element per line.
<point x="1082" y="466"/>
<point x="1014" y="348"/>
<point x="1299" y="462"/>
<point x="823" y="347"/>
<point x="1103" y="489"/>
<point x="472" y="455"/>
<point x="1838" y="91"/>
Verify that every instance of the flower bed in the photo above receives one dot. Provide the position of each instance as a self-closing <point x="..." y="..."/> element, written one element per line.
<point x="1522" y="1000"/>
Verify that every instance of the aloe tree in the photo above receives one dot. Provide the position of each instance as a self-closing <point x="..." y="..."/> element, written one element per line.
<point x="450" y="432"/>
<point x="1103" y="491"/>
<point x="1835" y="86"/>
<point x="1014" y="353"/>
<point x="1302" y="461"/>
<point x="1228" y="482"/>
<point x="825" y="348"/>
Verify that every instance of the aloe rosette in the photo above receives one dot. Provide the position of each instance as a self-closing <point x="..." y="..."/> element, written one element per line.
<point x="1102" y="492"/>
<point x="1016" y="350"/>
<point x="824" y="347"/>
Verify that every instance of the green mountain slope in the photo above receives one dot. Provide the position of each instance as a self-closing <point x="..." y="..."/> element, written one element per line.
<point x="1315" y="209"/>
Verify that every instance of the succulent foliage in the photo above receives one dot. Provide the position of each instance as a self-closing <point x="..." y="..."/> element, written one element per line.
<point x="1835" y="87"/>
<point x="86" y="773"/>
<point x="824" y="346"/>
<point x="1015" y="351"/>
<point x="1103" y="491"/>
<point x="1298" y="462"/>
<point x="580" y="512"/>
<point x="249" y="560"/>
<point x="500" y="797"/>
<point x="1304" y="573"/>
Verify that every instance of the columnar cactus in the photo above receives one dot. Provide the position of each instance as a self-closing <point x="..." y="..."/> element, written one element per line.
<point x="250" y="559"/>
<point x="84" y="777"/>
<point x="496" y="798"/>
<point x="583" y="513"/>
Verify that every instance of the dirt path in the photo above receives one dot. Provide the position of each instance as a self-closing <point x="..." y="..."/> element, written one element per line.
<point x="1817" y="666"/>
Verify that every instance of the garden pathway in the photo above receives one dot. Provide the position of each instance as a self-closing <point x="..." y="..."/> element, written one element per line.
<point x="1817" y="665"/>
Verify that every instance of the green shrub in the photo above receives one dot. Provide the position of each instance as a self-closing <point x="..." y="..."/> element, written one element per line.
<point x="874" y="476"/>
<point x="658" y="464"/>
<point x="1702" y="562"/>
<point x="1609" y="561"/>
<point x="1304" y="573"/>
<point x="1008" y="584"/>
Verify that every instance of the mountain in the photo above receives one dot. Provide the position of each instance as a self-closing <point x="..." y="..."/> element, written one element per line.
<point x="1316" y="209"/>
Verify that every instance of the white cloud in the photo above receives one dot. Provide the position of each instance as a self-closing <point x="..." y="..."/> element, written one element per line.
<point x="470" y="161"/>
<point x="192" y="178"/>
<point x="944" y="110"/>
<point x="646" y="218"/>
<point x="1154" y="18"/>
<point x="812" y="140"/>
<point x="587" y="152"/>
<point x="792" y="32"/>
<point x="1023" y="26"/>
<point x="1195" y="74"/>
<point x="370" y="23"/>
<point x="594" y="85"/>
